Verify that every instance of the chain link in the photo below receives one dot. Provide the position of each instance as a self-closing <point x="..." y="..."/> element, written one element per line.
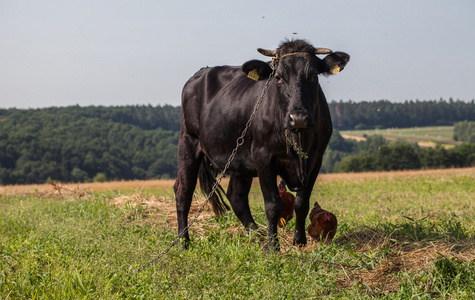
<point x="239" y="143"/>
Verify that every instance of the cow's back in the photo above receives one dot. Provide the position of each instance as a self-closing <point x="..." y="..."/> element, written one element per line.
<point x="200" y="90"/>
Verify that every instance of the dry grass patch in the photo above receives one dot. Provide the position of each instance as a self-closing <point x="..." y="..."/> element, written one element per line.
<point x="404" y="257"/>
<point x="158" y="209"/>
<point x="418" y="258"/>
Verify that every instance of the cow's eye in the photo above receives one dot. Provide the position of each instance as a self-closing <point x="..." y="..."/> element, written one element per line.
<point x="314" y="77"/>
<point x="278" y="79"/>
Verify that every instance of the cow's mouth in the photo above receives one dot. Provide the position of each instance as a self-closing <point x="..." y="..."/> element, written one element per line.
<point x="295" y="130"/>
<point x="294" y="141"/>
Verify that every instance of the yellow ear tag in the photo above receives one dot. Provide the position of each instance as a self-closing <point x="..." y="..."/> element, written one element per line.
<point x="335" y="70"/>
<point x="253" y="75"/>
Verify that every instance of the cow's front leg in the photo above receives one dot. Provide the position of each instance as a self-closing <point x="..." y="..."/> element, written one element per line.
<point x="302" y="207"/>
<point x="273" y="207"/>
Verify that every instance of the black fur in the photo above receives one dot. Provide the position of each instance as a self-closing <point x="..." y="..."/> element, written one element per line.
<point x="291" y="46"/>
<point x="217" y="103"/>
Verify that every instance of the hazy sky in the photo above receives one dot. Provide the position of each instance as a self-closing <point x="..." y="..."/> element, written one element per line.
<point x="60" y="53"/>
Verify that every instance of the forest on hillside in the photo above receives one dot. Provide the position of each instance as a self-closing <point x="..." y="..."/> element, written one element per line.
<point x="385" y="114"/>
<point x="97" y="143"/>
<point x="77" y="144"/>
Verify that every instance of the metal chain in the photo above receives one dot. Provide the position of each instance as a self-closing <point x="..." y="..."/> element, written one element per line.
<point x="239" y="142"/>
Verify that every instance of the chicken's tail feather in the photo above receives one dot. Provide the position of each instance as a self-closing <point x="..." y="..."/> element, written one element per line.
<point x="207" y="177"/>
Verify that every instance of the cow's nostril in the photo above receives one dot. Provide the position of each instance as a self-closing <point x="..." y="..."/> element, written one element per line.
<point x="292" y="121"/>
<point x="298" y="121"/>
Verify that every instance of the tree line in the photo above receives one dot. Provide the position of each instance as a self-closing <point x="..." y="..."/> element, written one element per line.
<point x="77" y="144"/>
<point x="97" y="143"/>
<point x="385" y="114"/>
<point x="379" y="154"/>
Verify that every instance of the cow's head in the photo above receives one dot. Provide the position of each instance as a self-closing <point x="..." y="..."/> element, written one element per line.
<point x="296" y="78"/>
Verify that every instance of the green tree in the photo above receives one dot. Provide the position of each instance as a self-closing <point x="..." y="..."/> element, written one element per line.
<point x="78" y="175"/>
<point x="100" y="177"/>
<point x="396" y="156"/>
<point x="464" y="131"/>
<point x="357" y="163"/>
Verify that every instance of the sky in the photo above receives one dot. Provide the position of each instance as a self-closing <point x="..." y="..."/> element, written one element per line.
<point x="117" y="52"/>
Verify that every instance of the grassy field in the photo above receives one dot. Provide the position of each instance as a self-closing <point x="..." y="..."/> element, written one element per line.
<point x="424" y="136"/>
<point x="401" y="235"/>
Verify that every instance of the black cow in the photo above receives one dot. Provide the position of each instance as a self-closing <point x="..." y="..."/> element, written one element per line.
<point x="287" y="138"/>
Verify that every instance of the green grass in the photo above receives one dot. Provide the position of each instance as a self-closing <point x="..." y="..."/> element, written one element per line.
<point x="431" y="135"/>
<point x="397" y="238"/>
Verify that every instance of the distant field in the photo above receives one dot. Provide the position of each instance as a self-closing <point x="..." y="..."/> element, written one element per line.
<point x="424" y="136"/>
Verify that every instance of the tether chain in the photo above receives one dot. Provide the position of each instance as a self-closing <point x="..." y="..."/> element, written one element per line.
<point x="239" y="142"/>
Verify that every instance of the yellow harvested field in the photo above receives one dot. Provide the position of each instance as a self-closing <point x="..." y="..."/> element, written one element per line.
<point x="353" y="137"/>
<point x="397" y="174"/>
<point x="155" y="184"/>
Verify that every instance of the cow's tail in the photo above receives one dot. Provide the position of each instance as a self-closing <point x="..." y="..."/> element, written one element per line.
<point x="207" y="177"/>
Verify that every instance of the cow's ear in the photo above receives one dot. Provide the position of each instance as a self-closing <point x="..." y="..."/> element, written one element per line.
<point x="334" y="63"/>
<point x="256" y="69"/>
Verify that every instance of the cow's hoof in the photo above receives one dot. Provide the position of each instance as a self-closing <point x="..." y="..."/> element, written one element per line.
<point x="299" y="242"/>
<point x="185" y="244"/>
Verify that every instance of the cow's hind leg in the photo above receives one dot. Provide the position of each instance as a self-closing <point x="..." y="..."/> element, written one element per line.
<point x="189" y="160"/>
<point x="238" y="195"/>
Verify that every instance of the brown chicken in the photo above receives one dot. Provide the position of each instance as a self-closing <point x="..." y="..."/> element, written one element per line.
<point x="288" y="204"/>
<point x="323" y="224"/>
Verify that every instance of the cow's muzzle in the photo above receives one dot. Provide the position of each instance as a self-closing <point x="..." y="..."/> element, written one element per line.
<point x="298" y="120"/>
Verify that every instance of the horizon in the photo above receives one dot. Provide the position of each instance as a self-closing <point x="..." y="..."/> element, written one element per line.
<point x="176" y="106"/>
